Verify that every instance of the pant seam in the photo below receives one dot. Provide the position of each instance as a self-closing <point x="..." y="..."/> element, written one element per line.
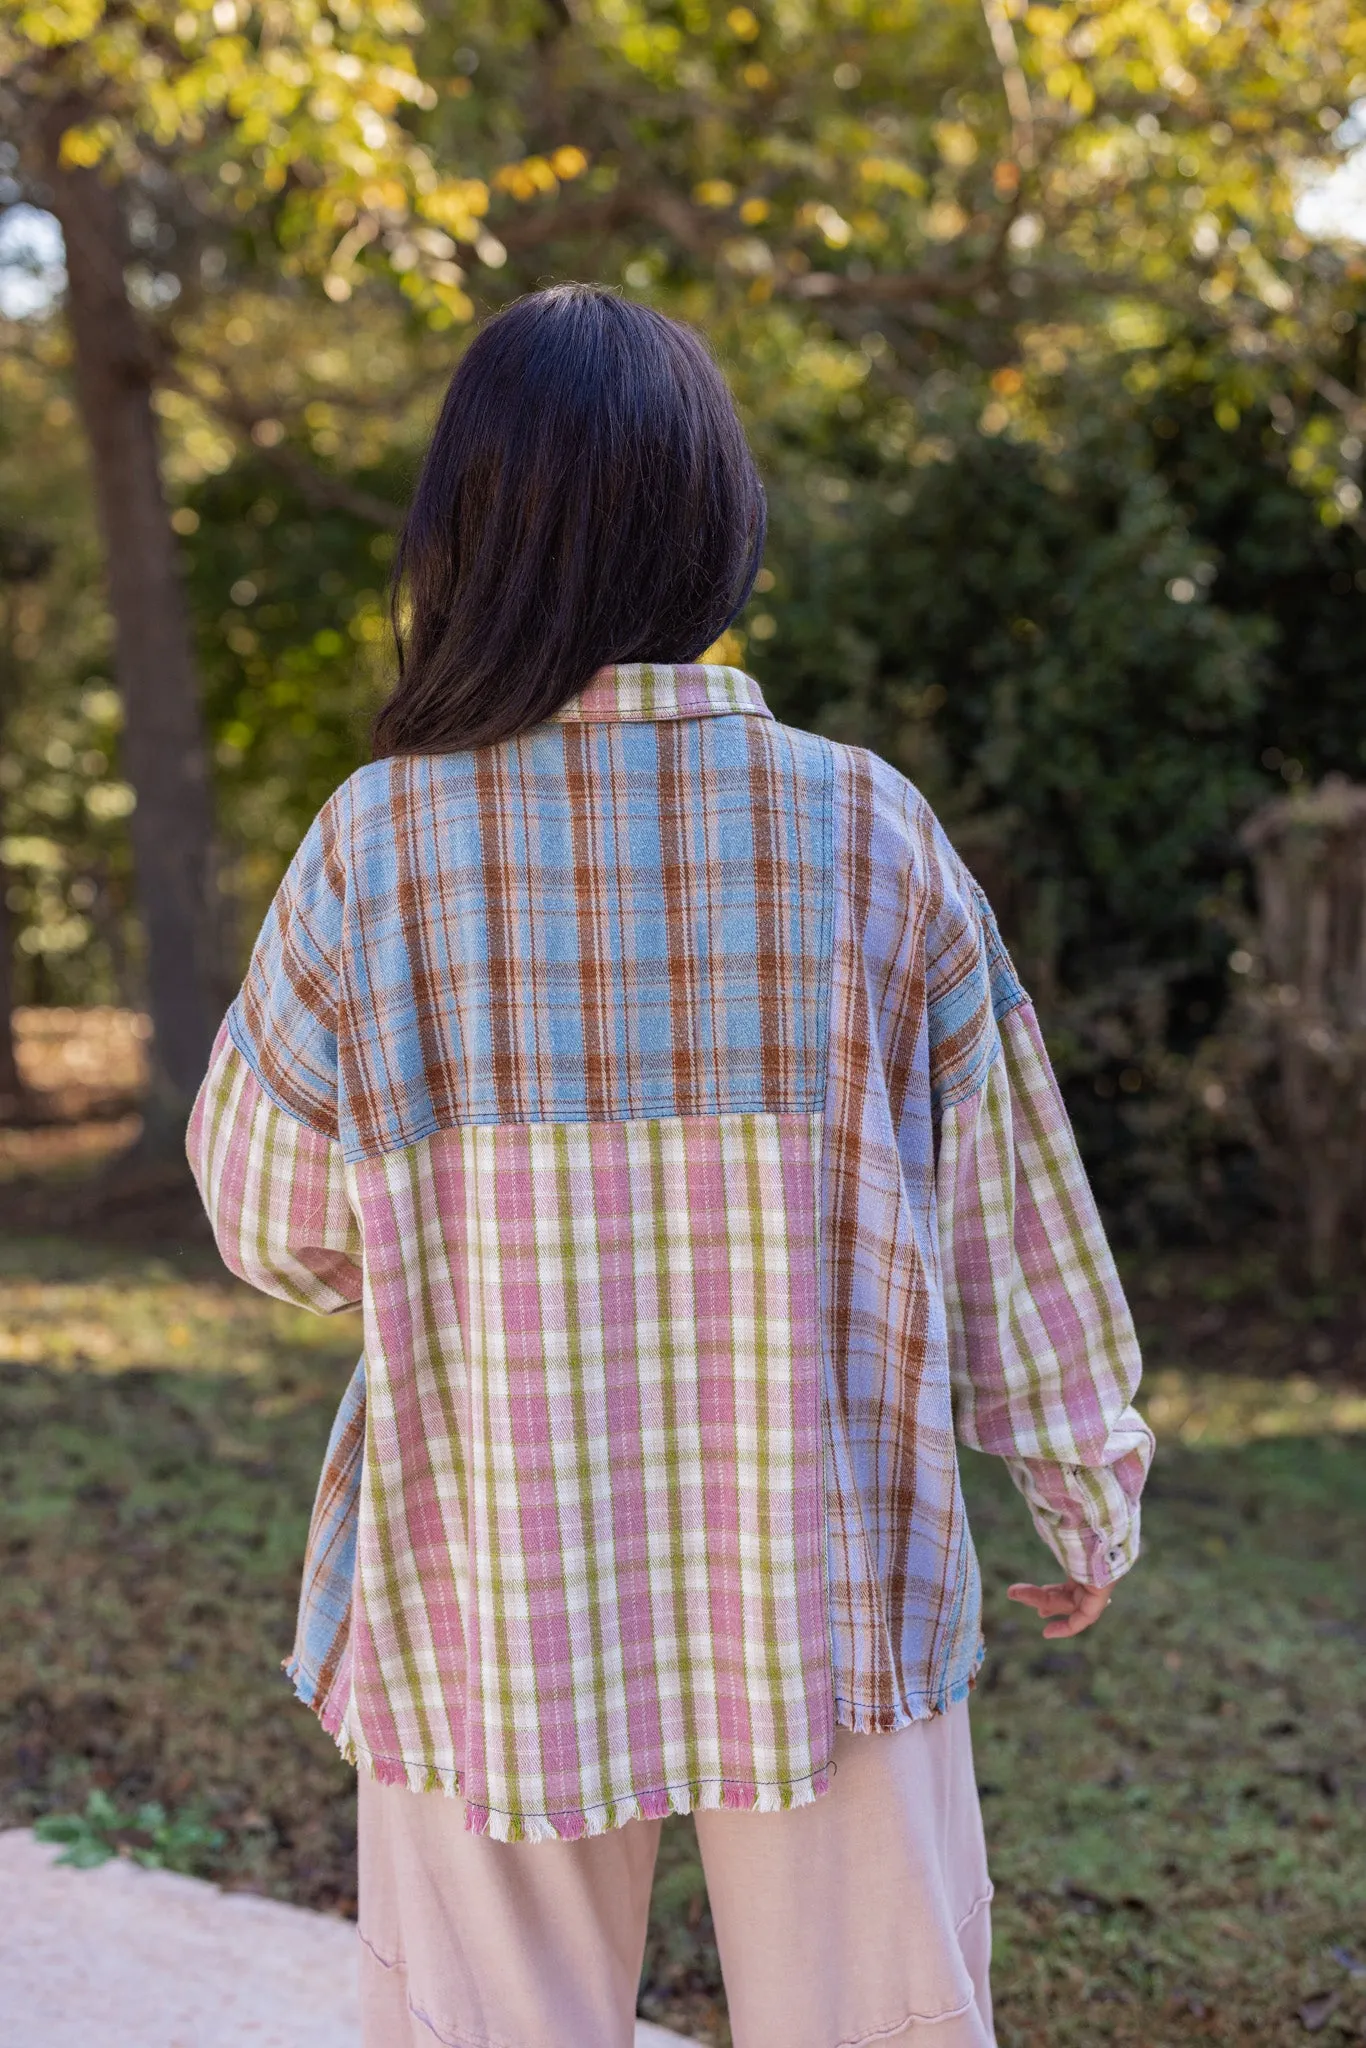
<point x="912" y="2019"/>
<point x="975" y="1908"/>
<point x="460" y="2040"/>
<point x="925" y="2019"/>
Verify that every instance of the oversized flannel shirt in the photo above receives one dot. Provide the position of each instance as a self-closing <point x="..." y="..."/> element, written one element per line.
<point x="658" y="1087"/>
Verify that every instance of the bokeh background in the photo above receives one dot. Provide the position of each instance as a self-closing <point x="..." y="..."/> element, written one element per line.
<point x="1047" y="324"/>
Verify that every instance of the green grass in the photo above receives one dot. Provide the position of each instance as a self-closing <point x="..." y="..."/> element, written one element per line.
<point x="160" y="1437"/>
<point x="1175" y="1803"/>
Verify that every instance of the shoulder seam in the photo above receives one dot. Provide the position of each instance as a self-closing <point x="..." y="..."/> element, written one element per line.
<point x="243" y="1046"/>
<point x="974" y="1085"/>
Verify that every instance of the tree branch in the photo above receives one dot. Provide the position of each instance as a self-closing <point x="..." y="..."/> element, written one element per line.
<point x="1013" y="80"/>
<point x="1340" y="398"/>
<point x="320" y="490"/>
<point x="886" y="287"/>
<point x="325" y="493"/>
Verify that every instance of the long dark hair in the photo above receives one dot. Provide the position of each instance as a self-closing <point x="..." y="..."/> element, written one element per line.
<point x="588" y="497"/>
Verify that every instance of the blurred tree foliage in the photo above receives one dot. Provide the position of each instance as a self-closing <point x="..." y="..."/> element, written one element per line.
<point x="1060" y="406"/>
<point x="156" y="134"/>
<point x="64" y="866"/>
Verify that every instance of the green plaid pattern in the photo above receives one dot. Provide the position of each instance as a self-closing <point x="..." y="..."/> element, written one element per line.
<point x="1032" y="1294"/>
<point x="616" y="1481"/>
<point x="659" y="1086"/>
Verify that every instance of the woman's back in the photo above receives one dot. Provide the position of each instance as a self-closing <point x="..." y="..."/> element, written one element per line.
<point x="654" y="1080"/>
<point x="619" y="1053"/>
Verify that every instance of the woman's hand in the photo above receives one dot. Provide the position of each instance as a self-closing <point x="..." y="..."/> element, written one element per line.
<point x="1072" y="1606"/>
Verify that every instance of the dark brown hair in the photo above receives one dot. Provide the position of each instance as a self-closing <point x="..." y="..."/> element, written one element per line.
<point x="588" y="497"/>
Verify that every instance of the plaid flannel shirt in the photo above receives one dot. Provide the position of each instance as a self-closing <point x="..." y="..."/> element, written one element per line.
<point x="657" y="1086"/>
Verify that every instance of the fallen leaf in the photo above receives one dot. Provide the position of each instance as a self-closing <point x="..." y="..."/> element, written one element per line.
<point x="1316" y="2011"/>
<point x="1353" y="1965"/>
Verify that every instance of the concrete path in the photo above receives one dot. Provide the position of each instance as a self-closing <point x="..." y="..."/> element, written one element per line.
<point x="129" y="1958"/>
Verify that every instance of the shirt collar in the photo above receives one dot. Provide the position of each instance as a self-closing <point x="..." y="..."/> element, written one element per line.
<point x="640" y="690"/>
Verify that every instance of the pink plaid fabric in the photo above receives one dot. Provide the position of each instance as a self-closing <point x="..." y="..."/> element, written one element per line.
<point x="1028" y="1276"/>
<point x="597" y="1506"/>
<point x="658" y="1087"/>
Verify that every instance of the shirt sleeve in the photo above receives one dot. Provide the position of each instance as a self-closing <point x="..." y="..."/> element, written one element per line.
<point x="275" y="1190"/>
<point x="284" y="1021"/>
<point x="264" y="1135"/>
<point x="1044" y="1357"/>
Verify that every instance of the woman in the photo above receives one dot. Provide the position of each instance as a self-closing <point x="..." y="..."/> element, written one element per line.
<point x="654" y="1080"/>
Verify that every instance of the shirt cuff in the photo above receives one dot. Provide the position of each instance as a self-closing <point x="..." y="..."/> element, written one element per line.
<point x="1090" y="1555"/>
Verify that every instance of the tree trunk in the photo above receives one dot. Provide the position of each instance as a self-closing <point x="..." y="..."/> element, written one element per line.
<point x="11" y="1088"/>
<point x="163" y="742"/>
<point x="1310" y="855"/>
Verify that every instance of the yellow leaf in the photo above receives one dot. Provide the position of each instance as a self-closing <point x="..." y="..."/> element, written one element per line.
<point x="886" y="170"/>
<point x="457" y="204"/>
<point x="727" y="652"/>
<point x="387" y="196"/>
<point x="833" y="226"/>
<point x="81" y="148"/>
<point x="458" y="304"/>
<point x="869" y="226"/>
<point x="523" y="180"/>
<point x="743" y="24"/>
<point x="945" y="220"/>
<point x="53" y="24"/>
<point x="955" y="142"/>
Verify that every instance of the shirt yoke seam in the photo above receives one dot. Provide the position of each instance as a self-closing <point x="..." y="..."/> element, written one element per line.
<point x="242" y="1045"/>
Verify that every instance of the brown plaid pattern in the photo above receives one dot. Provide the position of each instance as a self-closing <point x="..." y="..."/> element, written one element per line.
<point x="514" y="972"/>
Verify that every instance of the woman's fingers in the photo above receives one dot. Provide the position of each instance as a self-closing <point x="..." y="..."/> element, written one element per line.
<point x="1068" y="1609"/>
<point x="1043" y="1599"/>
<point x="1071" y="1624"/>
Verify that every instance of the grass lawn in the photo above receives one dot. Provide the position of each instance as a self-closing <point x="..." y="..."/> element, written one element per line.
<point x="1176" y="1803"/>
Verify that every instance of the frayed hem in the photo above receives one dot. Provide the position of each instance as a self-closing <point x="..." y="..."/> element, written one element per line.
<point x="731" y="1796"/>
<point x="304" y="1683"/>
<point x="860" y="1719"/>
<point x="657" y="1803"/>
<point x="331" y="1711"/>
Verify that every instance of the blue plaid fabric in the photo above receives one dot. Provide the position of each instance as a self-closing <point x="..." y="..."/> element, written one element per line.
<point x="513" y="922"/>
<point x="322" y="1635"/>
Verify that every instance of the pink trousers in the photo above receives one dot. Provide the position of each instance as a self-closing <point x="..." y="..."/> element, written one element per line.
<point x="862" y="1918"/>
